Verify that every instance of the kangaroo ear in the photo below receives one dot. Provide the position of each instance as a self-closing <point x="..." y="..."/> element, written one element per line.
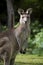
<point x="29" y="11"/>
<point x="20" y="11"/>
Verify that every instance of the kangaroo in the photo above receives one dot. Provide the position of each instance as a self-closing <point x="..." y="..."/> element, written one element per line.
<point x="12" y="40"/>
<point x="22" y="32"/>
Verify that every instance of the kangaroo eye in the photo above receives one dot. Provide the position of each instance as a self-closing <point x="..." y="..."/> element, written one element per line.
<point x="27" y="16"/>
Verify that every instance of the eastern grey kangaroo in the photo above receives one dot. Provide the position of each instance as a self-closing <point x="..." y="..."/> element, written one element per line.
<point x="12" y="40"/>
<point x="22" y="32"/>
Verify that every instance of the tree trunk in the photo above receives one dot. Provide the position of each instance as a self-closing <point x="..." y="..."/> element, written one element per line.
<point x="10" y="12"/>
<point x="0" y="26"/>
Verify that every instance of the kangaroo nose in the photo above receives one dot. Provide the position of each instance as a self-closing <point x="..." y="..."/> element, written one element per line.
<point x="25" y="21"/>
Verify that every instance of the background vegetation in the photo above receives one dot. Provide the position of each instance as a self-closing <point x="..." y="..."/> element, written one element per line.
<point x="35" y="44"/>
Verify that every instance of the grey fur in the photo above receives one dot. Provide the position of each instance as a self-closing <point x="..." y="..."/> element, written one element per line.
<point x="12" y="41"/>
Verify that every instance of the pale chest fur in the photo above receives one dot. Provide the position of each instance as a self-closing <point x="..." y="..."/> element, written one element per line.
<point x="22" y="33"/>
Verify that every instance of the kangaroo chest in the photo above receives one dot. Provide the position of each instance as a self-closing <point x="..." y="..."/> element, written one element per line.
<point x="21" y="34"/>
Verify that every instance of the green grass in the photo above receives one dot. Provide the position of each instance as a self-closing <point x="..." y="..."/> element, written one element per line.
<point x="26" y="59"/>
<point x="29" y="59"/>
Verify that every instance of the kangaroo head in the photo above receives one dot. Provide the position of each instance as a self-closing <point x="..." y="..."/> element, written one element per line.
<point x="24" y="16"/>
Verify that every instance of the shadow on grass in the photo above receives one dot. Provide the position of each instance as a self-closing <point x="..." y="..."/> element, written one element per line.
<point x="22" y="63"/>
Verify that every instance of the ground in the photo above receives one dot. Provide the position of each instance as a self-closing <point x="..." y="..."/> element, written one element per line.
<point x="28" y="59"/>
